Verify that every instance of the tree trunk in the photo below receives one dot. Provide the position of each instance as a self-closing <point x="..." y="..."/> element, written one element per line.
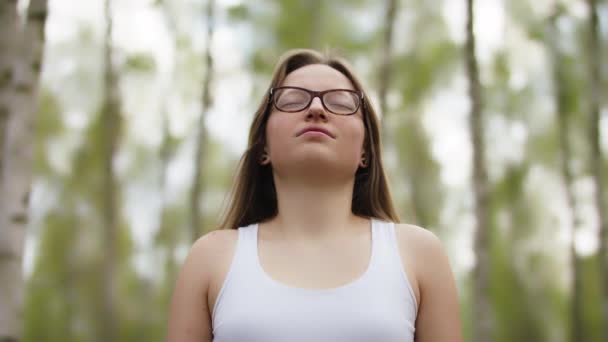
<point x="560" y="97"/>
<point x="8" y="51"/>
<point x="482" y="310"/>
<point x="110" y="130"/>
<point x="20" y="60"/>
<point x="201" y="143"/>
<point x="384" y="84"/>
<point x="386" y="66"/>
<point x="169" y="238"/>
<point x="597" y="169"/>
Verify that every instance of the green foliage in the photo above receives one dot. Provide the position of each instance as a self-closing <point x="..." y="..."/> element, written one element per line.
<point x="466" y="305"/>
<point x="420" y="170"/>
<point x="66" y="283"/>
<point x="543" y="147"/>
<point x="238" y="12"/>
<point x="424" y="69"/>
<point x="49" y="126"/>
<point x="50" y="304"/>
<point x="592" y="313"/>
<point x="307" y="24"/>
<point x="522" y="12"/>
<point x="142" y="63"/>
<point x="516" y="319"/>
<point x="88" y="160"/>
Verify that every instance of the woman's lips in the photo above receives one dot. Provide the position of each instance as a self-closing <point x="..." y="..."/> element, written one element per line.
<point x="315" y="131"/>
<point x="319" y="133"/>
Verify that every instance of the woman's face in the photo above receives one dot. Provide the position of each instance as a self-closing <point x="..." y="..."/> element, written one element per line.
<point x="335" y="155"/>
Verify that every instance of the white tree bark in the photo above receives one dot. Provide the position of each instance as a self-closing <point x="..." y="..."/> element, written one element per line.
<point x="20" y="60"/>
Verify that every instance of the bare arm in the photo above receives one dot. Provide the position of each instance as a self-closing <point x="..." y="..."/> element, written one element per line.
<point x="189" y="318"/>
<point x="438" y="312"/>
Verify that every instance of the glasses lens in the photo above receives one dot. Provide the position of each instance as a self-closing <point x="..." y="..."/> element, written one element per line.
<point x="341" y="101"/>
<point x="291" y="100"/>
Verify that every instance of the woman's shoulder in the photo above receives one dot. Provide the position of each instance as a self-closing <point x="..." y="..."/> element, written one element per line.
<point x="417" y="237"/>
<point x="438" y="311"/>
<point x="214" y="237"/>
<point x="207" y="256"/>
<point x="214" y="244"/>
<point x="423" y="249"/>
<point x="208" y="253"/>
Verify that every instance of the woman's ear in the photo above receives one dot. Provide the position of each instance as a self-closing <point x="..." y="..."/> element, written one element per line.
<point x="264" y="158"/>
<point x="363" y="162"/>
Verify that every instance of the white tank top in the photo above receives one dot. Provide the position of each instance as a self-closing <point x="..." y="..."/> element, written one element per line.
<point x="378" y="306"/>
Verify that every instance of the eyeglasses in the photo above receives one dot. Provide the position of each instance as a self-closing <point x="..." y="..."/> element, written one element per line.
<point x="336" y="101"/>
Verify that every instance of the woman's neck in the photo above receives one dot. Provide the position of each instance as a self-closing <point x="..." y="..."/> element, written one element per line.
<point x="313" y="211"/>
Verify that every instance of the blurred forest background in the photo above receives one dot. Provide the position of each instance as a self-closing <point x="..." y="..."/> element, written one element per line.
<point x="122" y="121"/>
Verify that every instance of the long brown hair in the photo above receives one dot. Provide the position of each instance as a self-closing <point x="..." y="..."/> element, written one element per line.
<point x="253" y="197"/>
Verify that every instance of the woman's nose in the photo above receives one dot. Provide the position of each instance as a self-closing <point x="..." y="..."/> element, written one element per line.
<point x="316" y="109"/>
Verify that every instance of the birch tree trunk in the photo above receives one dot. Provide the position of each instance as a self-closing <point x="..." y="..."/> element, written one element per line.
<point x="201" y="143"/>
<point x="597" y="169"/>
<point x="562" y="112"/>
<point x="110" y="130"/>
<point x="21" y="50"/>
<point x="482" y="310"/>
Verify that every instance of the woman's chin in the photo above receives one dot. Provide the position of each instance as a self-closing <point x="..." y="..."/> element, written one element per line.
<point x="317" y="166"/>
<point x="313" y="159"/>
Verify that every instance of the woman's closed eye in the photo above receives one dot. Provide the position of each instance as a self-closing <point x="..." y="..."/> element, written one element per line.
<point x="292" y="100"/>
<point x="340" y="101"/>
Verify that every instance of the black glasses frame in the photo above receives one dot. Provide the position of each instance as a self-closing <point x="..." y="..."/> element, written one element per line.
<point x="318" y="94"/>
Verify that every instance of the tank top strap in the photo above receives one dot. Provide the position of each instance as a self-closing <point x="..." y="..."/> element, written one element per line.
<point x="247" y="235"/>
<point x="390" y="258"/>
<point x="241" y="265"/>
<point x="384" y="241"/>
<point x="247" y="246"/>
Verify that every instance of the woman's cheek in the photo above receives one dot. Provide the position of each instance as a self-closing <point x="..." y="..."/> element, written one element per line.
<point x="357" y="136"/>
<point x="353" y="144"/>
<point x="277" y="134"/>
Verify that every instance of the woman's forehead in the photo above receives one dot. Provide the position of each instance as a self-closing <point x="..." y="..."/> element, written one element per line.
<point x="317" y="77"/>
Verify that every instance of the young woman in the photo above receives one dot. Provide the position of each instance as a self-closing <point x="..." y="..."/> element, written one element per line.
<point x="311" y="250"/>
